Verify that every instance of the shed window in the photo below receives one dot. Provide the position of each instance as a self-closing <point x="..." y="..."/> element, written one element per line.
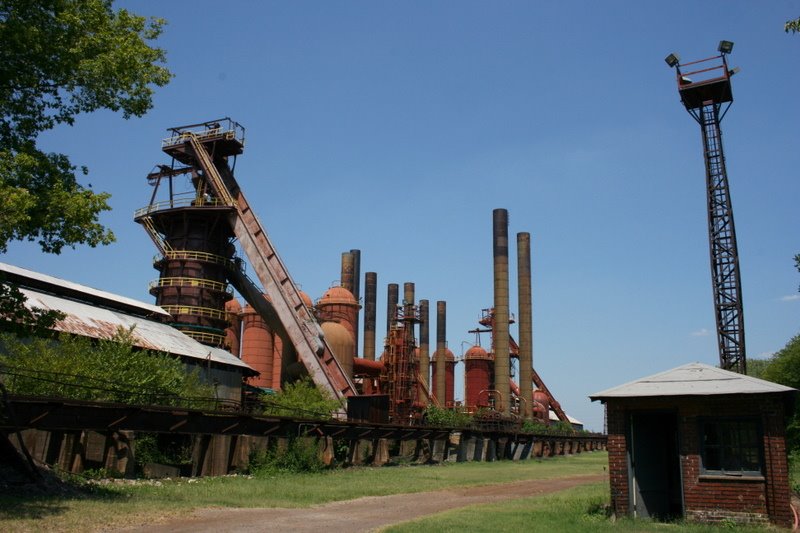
<point x="731" y="447"/>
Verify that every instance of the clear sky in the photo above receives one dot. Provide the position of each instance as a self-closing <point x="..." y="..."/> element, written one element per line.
<point x="397" y="127"/>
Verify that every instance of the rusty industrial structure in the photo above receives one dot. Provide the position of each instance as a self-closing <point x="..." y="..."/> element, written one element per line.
<point x="706" y="93"/>
<point x="283" y="335"/>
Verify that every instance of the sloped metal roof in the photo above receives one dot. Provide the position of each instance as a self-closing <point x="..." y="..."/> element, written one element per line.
<point x="102" y="323"/>
<point x="694" y="379"/>
<point x="42" y="282"/>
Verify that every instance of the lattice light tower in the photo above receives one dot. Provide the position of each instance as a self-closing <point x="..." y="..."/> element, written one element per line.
<point x="706" y="93"/>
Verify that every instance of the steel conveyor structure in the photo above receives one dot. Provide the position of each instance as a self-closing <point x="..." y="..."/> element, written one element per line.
<point x="207" y="147"/>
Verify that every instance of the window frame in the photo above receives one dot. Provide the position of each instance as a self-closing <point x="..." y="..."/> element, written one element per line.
<point x="751" y="424"/>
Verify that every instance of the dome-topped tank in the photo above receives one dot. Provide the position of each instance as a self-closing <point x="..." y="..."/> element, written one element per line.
<point x="342" y="344"/>
<point x="478" y="368"/>
<point x="258" y="347"/>
<point x="340" y="306"/>
<point x="306" y="299"/>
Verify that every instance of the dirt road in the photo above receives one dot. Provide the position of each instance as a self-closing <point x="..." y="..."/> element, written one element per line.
<point x="363" y="514"/>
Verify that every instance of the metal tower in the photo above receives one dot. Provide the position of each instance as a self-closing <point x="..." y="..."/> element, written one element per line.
<point x="706" y="93"/>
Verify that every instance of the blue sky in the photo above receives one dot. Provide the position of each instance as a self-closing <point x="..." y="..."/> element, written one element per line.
<point x="397" y="127"/>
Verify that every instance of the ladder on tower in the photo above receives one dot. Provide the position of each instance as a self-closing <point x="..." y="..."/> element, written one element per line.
<point x="300" y="325"/>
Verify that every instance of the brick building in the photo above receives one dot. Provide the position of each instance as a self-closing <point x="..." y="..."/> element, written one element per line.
<point x="699" y="442"/>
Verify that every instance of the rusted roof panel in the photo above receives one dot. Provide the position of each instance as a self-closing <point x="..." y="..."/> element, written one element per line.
<point x="28" y="278"/>
<point x="102" y="323"/>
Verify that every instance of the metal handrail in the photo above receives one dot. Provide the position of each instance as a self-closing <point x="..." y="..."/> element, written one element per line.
<point x="195" y="310"/>
<point x="194" y="201"/>
<point x="193" y="255"/>
<point x="191" y="282"/>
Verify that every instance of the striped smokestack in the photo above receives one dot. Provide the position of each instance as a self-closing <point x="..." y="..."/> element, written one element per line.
<point x="441" y="355"/>
<point x="370" y="309"/>
<point x="356" y="291"/>
<point x="391" y="305"/>
<point x="500" y="325"/>
<point x="525" y="300"/>
<point x="424" y="343"/>
<point x="346" y="279"/>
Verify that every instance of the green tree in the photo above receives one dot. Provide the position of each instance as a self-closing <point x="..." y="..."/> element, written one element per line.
<point x="58" y="59"/>
<point x="301" y="399"/>
<point x="108" y="370"/>
<point x="792" y="26"/>
<point x="784" y="368"/>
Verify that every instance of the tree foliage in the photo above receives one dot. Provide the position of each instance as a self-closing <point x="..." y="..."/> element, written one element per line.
<point x="792" y="26"/>
<point x="107" y="370"/>
<point x="784" y="368"/>
<point x="58" y="59"/>
<point x="301" y="399"/>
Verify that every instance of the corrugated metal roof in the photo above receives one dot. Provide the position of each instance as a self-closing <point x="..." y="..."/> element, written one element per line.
<point x="554" y="418"/>
<point x="101" y="323"/>
<point x="58" y="285"/>
<point x="694" y="379"/>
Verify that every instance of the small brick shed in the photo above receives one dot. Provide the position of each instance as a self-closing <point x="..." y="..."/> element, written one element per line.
<point x="700" y="443"/>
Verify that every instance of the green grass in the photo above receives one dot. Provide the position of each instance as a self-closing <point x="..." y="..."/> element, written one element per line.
<point x="574" y="510"/>
<point x="121" y="505"/>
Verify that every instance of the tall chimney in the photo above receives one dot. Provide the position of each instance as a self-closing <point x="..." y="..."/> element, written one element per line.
<point x="500" y="325"/>
<point x="346" y="280"/>
<point x="391" y="305"/>
<point x="408" y="293"/>
<point x="525" y="300"/>
<point x="356" y="292"/>
<point x="370" y="309"/>
<point x="441" y="349"/>
<point x="424" y="343"/>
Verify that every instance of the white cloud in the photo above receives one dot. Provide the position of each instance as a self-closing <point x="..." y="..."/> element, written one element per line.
<point x="702" y="332"/>
<point x="790" y="298"/>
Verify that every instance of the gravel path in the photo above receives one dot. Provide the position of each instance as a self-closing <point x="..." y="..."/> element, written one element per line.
<point x="362" y="514"/>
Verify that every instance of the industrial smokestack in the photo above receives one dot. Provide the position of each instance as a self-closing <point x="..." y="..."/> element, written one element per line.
<point x="408" y="293"/>
<point x="424" y="343"/>
<point x="525" y="300"/>
<point x="346" y="280"/>
<point x="356" y="290"/>
<point x="441" y="355"/>
<point x="391" y="305"/>
<point x="370" y="309"/>
<point x="500" y="325"/>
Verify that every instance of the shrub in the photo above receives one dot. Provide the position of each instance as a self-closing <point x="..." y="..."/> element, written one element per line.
<point x="436" y="416"/>
<point x="301" y="399"/>
<point x="300" y="455"/>
<point x="107" y="370"/>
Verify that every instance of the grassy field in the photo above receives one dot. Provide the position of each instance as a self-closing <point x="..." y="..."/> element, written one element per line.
<point x="581" y="509"/>
<point x="121" y="504"/>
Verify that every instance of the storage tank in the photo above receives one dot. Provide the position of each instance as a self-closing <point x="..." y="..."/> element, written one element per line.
<point x="478" y="377"/>
<point x="541" y="406"/>
<point x="234" y="330"/>
<point x="342" y="345"/>
<point x="339" y="305"/>
<point x="449" y="376"/>
<point x="258" y="347"/>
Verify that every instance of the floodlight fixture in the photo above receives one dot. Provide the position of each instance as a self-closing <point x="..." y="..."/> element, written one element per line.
<point x="734" y="70"/>
<point x="725" y="47"/>
<point x="672" y="59"/>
